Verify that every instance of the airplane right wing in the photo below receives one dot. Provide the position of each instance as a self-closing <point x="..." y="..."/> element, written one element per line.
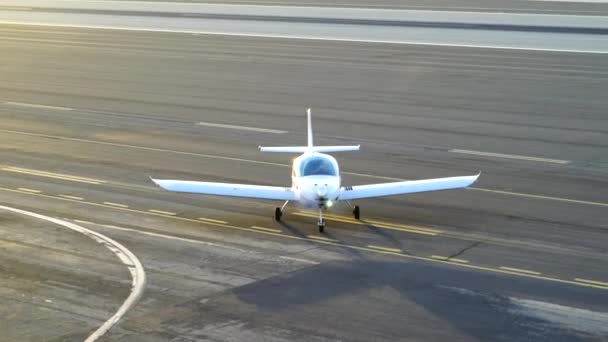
<point x="227" y="189"/>
<point x="405" y="187"/>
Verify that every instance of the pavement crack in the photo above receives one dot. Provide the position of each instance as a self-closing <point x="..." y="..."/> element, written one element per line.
<point x="464" y="250"/>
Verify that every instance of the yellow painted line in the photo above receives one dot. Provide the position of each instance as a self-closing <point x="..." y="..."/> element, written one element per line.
<point x="439" y="257"/>
<point x="266" y="229"/>
<point x="332" y="243"/>
<point x="162" y="212"/>
<point x="116" y="204"/>
<point x="212" y="220"/>
<point x="595" y="282"/>
<point x="72" y="197"/>
<point x="519" y="270"/>
<point x="409" y="229"/>
<point x="53" y="175"/>
<point x="144" y="148"/>
<point x="321" y="238"/>
<point x="30" y="190"/>
<point x="386" y="249"/>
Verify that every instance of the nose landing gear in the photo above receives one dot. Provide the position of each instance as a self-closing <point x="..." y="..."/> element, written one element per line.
<point x="321" y="221"/>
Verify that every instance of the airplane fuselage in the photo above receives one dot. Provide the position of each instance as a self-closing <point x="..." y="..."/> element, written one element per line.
<point x="316" y="180"/>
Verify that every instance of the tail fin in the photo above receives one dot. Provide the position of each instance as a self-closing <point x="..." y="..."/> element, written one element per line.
<point x="310" y="146"/>
<point x="308" y="115"/>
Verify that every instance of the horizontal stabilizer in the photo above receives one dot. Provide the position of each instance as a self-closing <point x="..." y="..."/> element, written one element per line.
<point x="303" y="149"/>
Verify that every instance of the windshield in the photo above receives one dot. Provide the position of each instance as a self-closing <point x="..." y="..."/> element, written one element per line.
<point x="317" y="166"/>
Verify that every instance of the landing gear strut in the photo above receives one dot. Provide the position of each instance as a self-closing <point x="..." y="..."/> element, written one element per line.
<point x="321" y="221"/>
<point x="278" y="212"/>
<point x="357" y="212"/>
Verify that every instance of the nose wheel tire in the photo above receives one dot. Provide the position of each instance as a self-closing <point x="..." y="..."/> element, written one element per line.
<point x="321" y="226"/>
<point x="277" y="214"/>
<point x="357" y="212"/>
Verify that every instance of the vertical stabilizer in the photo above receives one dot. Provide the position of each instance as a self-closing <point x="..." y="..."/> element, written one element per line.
<point x="310" y="144"/>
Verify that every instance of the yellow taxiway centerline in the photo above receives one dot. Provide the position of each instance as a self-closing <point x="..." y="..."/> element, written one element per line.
<point x="332" y="243"/>
<point x="377" y="224"/>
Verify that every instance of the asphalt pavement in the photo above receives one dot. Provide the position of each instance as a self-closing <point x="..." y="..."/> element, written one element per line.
<point x="89" y="115"/>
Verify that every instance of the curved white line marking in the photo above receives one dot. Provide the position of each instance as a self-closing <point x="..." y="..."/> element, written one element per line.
<point x="135" y="267"/>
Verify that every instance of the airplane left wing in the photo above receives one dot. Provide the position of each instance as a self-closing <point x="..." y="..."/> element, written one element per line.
<point x="227" y="189"/>
<point x="406" y="187"/>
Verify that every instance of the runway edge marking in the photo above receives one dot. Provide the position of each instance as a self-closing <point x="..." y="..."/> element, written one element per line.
<point x="136" y="268"/>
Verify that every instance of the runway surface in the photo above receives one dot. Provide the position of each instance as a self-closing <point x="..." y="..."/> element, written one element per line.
<point x="88" y="115"/>
<point x="528" y="31"/>
<point x="590" y="7"/>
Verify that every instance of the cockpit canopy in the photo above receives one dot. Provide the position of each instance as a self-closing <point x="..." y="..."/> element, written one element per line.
<point x="318" y="165"/>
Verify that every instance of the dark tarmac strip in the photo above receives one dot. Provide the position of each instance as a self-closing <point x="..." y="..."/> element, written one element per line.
<point x="88" y="115"/>
<point x="509" y="6"/>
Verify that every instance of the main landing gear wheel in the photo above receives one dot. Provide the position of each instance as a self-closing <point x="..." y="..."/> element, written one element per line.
<point x="277" y="214"/>
<point x="357" y="212"/>
<point x="321" y="226"/>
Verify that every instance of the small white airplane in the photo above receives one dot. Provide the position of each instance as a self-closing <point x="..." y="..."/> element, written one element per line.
<point x="316" y="182"/>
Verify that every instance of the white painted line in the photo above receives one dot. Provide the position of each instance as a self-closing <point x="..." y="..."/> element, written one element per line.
<point x="385" y="249"/>
<point x="212" y="220"/>
<point x="30" y="190"/>
<point x="594" y="282"/>
<point x="72" y="197"/>
<point x="321" y="238"/>
<point x="33" y="105"/>
<point x="211" y="156"/>
<point x="242" y="128"/>
<point x="266" y="229"/>
<point x="519" y="270"/>
<point x="438" y="257"/>
<point x="162" y="212"/>
<point x="299" y="260"/>
<point x="559" y="199"/>
<point x="170" y="237"/>
<point x="135" y="267"/>
<point x="83" y="221"/>
<point x="510" y="156"/>
<point x="53" y="175"/>
<point x="116" y="204"/>
<point x="304" y="37"/>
